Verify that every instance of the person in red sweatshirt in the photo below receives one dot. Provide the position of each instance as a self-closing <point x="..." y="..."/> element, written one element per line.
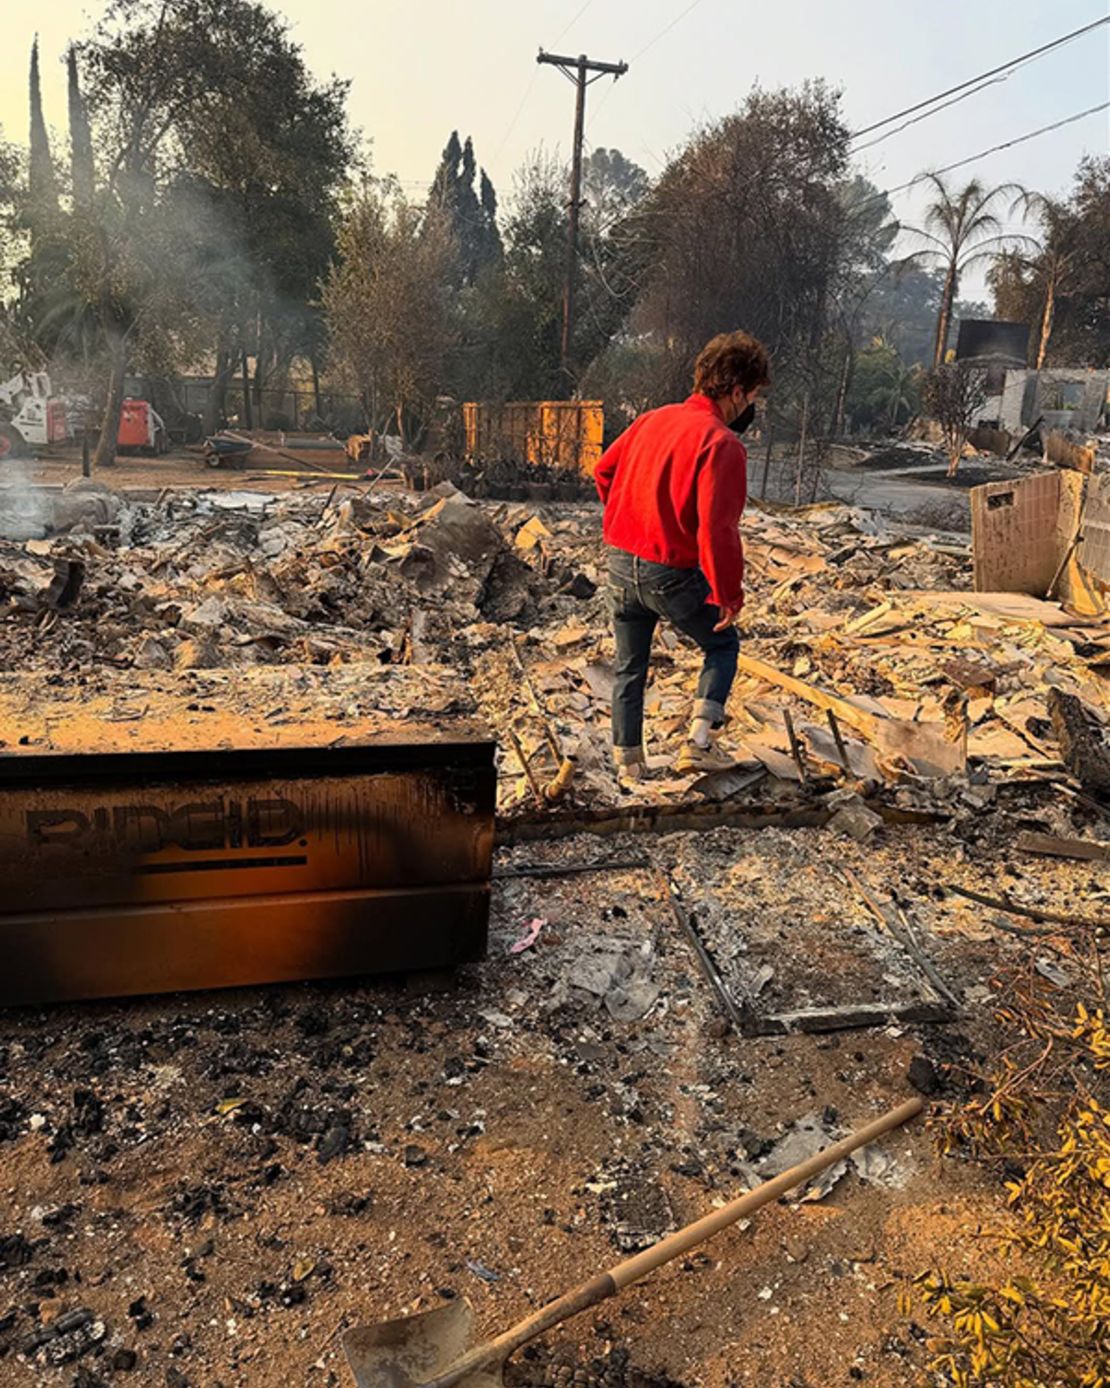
<point x="673" y="487"/>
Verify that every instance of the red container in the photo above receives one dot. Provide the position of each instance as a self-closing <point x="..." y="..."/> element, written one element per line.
<point x="136" y="428"/>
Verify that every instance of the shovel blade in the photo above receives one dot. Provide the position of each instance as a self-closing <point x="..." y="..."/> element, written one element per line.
<point x="413" y="1350"/>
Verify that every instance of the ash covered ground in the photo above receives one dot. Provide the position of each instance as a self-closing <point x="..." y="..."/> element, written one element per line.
<point x="209" y="1189"/>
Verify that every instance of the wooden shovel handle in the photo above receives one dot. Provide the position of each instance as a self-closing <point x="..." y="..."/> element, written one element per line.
<point x="606" y="1284"/>
<point x="632" y="1269"/>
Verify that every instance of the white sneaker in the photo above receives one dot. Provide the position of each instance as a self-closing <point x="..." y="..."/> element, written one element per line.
<point x="694" y="758"/>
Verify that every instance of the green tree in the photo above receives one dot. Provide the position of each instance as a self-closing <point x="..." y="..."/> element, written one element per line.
<point x="42" y="183"/>
<point x="387" y="304"/>
<point x="745" y="228"/>
<point x="82" y="166"/>
<point x="11" y="177"/>
<point x="614" y="252"/>
<point x="883" y="394"/>
<point x="612" y="186"/>
<point x="1060" y="283"/>
<point x="206" y="106"/>
<point x="902" y="309"/>
<point x="869" y="231"/>
<point x="270" y="167"/>
<point x="512" y="321"/>
<point x="470" y="213"/>
<point x="962" y="228"/>
<point x="40" y="276"/>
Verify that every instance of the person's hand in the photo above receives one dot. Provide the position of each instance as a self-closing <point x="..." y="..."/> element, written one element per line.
<point x="728" y="616"/>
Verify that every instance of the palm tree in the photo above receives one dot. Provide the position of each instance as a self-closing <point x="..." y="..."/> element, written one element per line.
<point x="1052" y="258"/>
<point x="961" y="229"/>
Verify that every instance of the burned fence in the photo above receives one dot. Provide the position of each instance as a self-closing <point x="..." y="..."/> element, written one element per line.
<point x="561" y="434"/>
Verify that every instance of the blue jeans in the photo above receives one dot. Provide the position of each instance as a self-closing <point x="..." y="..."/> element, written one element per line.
<point x="641" y="592"/>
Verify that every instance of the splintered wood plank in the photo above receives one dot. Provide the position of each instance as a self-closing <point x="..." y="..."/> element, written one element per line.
<point x="927" y="746"/>
<point x="1047" y="846"/>
<point x="1018" y="607"/>
<point x="845" y="711"/>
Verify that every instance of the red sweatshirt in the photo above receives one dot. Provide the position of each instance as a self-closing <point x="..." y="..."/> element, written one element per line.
<point x="673" y="486"/>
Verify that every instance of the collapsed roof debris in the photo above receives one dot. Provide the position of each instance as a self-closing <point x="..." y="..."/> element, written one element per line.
<point x="895" y="676"/>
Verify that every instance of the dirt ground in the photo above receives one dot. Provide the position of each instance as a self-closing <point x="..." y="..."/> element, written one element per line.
<point x="227" y="1181"/>
<point x="180" y="467"/>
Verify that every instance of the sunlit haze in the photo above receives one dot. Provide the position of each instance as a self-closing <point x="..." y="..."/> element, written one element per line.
<point x="418" y="72"/>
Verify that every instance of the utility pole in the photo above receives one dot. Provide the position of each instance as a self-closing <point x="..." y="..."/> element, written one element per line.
<point x="579" y="71"/>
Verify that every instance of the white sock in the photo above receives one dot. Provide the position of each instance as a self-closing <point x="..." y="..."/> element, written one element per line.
<point x="699" y="731"/>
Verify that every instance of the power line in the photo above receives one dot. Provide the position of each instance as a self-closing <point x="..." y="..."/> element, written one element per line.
<point x="993" y="72"/>
<point x="991" y="82"/>
<point x="650" y="44"/>
<point x="949" y="98"/>
<point x="1006" y="144"/>
<point x="516" y="116"/>
<point x="574" y="21"/>
<point x="532" y="82"/>
<point x="666" y="30"/>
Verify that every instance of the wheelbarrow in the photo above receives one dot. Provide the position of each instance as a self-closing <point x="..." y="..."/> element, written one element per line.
<point x="221" y="448"/>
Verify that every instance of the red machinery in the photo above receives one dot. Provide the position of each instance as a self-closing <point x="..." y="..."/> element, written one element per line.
<point x="141" y="428"/>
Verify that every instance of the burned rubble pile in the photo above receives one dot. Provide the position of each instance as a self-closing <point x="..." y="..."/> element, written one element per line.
<point x="230" y="579"/>
<point x="207" y="1189"/>
<point x="499" y="479"/>
<point x="212" y="1184"/>
<point x="868" y="665"/>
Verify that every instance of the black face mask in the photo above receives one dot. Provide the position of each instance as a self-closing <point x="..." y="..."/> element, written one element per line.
<point x="743" y="420"/>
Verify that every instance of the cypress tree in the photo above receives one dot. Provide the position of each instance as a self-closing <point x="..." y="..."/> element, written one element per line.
<point x="493" y="249"/>
<point x="80" y="139"/>
<point x="44" y="192"/>
<point x="445" y="183"/>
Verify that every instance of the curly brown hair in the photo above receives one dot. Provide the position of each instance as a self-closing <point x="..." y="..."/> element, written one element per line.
<point x="728" y="360"/>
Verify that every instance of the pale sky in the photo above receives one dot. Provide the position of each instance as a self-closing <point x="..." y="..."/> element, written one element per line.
<point x="420" y="70"/>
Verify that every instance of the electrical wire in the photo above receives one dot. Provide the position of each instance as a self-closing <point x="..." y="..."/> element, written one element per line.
<point x="915" y="120"/>
<point x="971" y="158"/>
<point x="666" y="30"/>
<point x="919" y="111"/>
<point x="993" y="72"/>
<point x="566" y="30"/>
<point x="516" y="115"/>
<point x="532" y="82"/>
<point x="637" y="56"/>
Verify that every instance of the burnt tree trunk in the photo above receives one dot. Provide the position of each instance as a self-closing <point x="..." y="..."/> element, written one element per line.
<point x="948" y="298"/>
<point x="842" y="391"/>
<point x="260" y="356"/>
<point x="767" y="454"/>
<point x="248" y="413"/>
<point x="217" y="392"/>
<point x="106" y="444"/>
<point x="316" y="386"/>
<point x="1046" y="320"/>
